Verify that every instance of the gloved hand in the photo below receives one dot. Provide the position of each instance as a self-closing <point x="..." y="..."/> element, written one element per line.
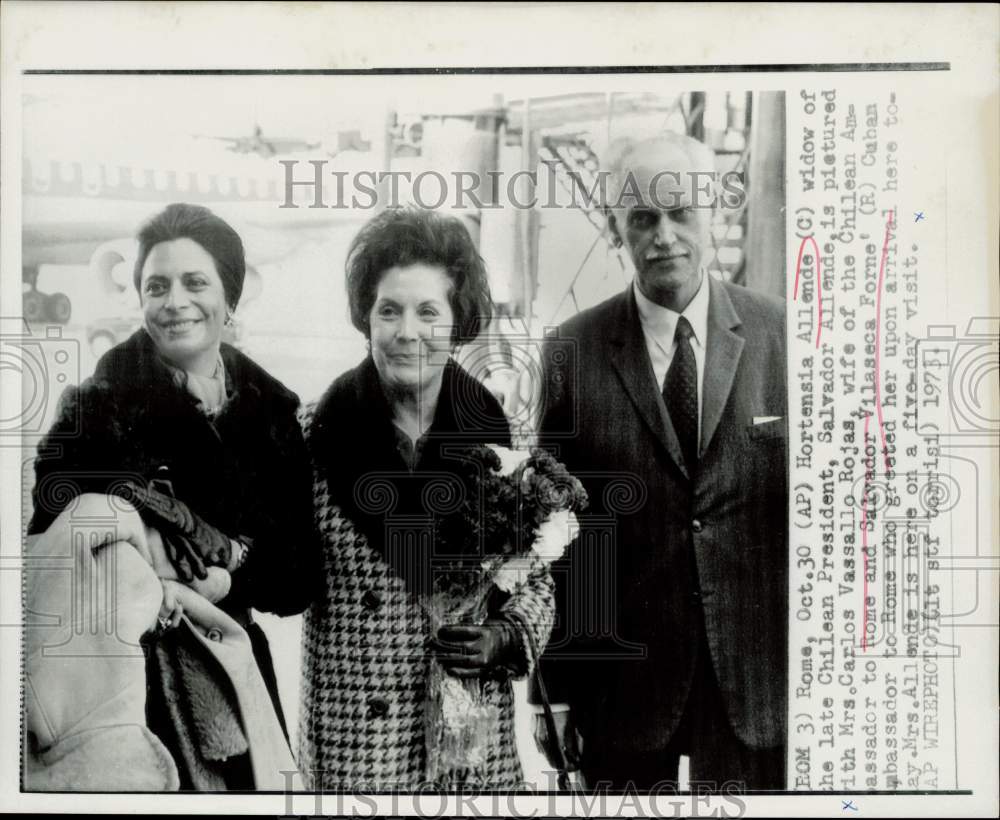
<point x="215" y="586"/>
<point x="474" y="651"/>
<point x="190" y="543"/>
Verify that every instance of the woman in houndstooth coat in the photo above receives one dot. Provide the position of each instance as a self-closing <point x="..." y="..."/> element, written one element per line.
<point x="379" y="440"/>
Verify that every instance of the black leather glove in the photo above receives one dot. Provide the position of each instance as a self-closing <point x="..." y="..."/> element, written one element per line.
<point x="475" y="651"/>
<point x="191" y="544"/>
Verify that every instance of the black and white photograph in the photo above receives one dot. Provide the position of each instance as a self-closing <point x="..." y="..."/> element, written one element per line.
<point x="569" y="432"/>
<point x="400" y="416"/>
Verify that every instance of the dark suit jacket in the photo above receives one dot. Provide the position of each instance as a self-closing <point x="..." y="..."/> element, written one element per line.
<point x="662" y="552"/>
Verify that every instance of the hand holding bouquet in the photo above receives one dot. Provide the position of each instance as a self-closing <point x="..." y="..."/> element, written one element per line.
<point x="516" y="516"/>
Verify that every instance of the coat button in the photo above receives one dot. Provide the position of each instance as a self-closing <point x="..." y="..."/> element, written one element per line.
<point x="371" y="600"/>
<point x="696" y="525"/>
<point x="378" y="707"/>
<point x="215" y="634"/>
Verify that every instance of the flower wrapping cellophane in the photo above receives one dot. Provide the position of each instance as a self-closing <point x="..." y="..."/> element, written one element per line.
<point x="462" y="714"/>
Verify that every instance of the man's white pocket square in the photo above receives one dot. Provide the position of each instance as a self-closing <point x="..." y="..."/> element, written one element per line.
<point x="765" y="419"/>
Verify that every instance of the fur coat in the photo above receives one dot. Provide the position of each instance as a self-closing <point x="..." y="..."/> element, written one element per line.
<point x="245" y="472"/>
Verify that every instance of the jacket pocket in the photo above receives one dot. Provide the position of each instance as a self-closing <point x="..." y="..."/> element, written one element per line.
<point x="774" y="429"/>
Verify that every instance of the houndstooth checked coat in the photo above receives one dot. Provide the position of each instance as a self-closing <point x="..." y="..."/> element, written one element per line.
<point x="364" y="659"/>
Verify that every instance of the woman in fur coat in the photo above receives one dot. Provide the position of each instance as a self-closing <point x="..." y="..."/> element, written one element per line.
<point x="380" y="439"/>
<point x="208" y="445"/>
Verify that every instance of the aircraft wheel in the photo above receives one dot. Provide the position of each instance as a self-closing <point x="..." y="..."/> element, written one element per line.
<point x="33" y="306"/>
<point x="59" y="308"/>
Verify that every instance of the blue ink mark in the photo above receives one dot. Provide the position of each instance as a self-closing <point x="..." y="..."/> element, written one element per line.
<point x="848" y="804"/>
<point x="919" y="215"/>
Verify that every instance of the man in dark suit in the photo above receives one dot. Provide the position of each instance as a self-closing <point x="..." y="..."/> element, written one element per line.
<point x="669" y="402"/>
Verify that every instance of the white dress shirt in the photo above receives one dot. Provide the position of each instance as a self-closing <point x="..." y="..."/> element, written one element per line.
<point x="658" y="326"/>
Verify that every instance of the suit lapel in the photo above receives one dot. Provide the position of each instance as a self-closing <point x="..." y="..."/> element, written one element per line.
<point x="722" y="358"/>
<point x="628" y="355"/>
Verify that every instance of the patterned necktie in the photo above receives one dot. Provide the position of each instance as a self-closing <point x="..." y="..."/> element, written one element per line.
<point x="680" y="393"/>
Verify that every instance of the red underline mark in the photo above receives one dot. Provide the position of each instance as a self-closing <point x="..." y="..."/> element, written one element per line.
<point x="878" y="335"/>
<point x="819" y="285"/>
<point x="864" y="548"/>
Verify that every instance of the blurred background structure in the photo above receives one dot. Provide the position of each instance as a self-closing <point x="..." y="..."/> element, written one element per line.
<point x="102" y="154"/>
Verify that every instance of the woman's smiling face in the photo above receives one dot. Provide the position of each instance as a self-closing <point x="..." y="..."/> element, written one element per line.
<point x="411" y="325"/>
<point x="183" y="302"/>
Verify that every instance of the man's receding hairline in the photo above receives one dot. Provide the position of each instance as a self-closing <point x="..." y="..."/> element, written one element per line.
<point x="617" y="165"/>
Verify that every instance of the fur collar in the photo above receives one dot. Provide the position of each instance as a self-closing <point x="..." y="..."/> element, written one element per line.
<point x="353" y="446"/>
<point x="353" y="415"/>
<point x="134" y="366"/>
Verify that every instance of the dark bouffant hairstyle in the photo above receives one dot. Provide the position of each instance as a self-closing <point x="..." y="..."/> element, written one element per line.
<point x="183" y="221"/>
<point x="398" y="237"/>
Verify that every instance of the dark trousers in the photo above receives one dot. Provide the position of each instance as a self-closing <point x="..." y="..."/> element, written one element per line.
<point x="719" y="760"/>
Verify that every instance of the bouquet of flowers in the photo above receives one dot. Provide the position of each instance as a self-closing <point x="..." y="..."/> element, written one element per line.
<point x="515" y="516"/>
